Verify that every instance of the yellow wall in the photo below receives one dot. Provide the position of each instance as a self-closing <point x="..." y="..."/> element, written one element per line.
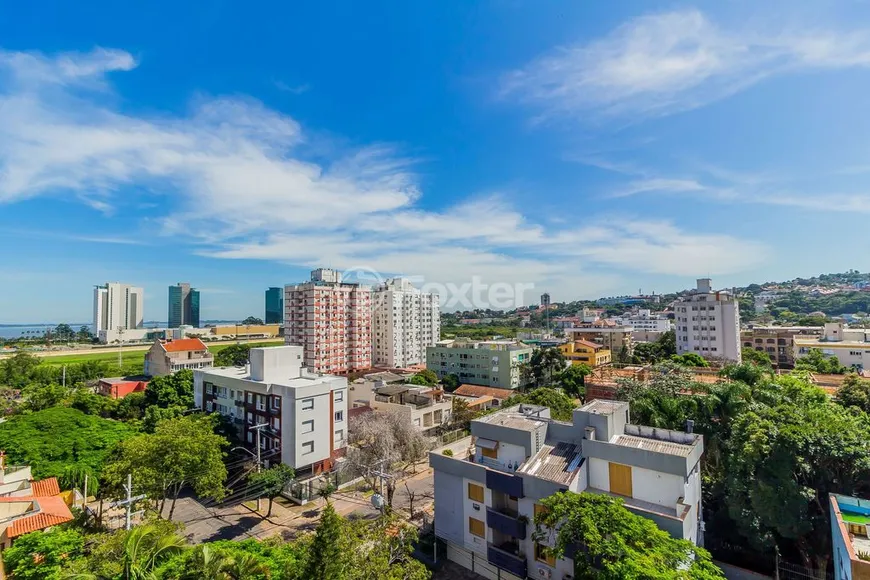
<point x="269" y="329"/>
<point x="580" y="354"/>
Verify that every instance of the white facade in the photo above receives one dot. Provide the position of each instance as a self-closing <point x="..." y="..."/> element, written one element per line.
<point x="405" y="321"/>
<point x="708" y="323"/>
<point x="118" y="305"/>
<point x="851" y="346"/>
<point x="306" y="413"/>
<point x="645" y="321"/>
<point x="485" y="504"/>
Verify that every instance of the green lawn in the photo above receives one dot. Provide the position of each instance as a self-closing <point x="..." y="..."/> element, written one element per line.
<point x="136" y="358"/>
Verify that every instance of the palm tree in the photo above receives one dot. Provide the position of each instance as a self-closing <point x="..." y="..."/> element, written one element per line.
<point x="246" y="566"/>
<point x="210" y="565"/>
<point x="146" y="547"/>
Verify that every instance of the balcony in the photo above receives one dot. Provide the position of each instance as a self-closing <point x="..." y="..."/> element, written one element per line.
<point x="511" y="485"/>
<point x="507" y="556"/>
<point x="506" y="521"/>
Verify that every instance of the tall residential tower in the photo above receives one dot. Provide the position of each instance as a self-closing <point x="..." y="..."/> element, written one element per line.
<point x="405" y="321"/>
<point x="708" y="323"/>
<point x="332" y="320"/>
<point x="183" y="306"/>
<point x="116" y="306"/>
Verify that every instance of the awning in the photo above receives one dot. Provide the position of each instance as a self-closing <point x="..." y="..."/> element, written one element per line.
<point x="487" y="443"/>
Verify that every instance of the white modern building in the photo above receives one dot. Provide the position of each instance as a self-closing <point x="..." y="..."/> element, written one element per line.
<point x="405" y="321"/>
<point x="117" y="306"/>
<point x="851" y="346"/>
<point x="648" y="326"/>
<point x="485" y="503"/>
<point x="304" y="414"/>
<point x="708" y="323"/>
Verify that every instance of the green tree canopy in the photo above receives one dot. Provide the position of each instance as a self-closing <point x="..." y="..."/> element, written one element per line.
<point x="51" y="440"/>
<point x="561" y="405"/>
<point x="756" y="357"/>
<point x="573" y="380"/>
<point x="608" y="542"/>
<point x="424" y="378"/>
<point x="252" y="320"/>
<point x="854" y="392"/>
<point x="272" y="481"/>
<point x="39" y="555"/>
<point x="689" y="359"/>
<point x="175" y="390"/>
<point x="818" y="362"/>
<point x="545" y="364"/>
<point x="329" y="558"/>
<point x="235" y="355"/>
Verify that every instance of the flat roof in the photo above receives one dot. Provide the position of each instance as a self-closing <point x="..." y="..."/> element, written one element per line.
<point x="656" y="445"/>
<point x="602" y="407"/>
<point x="558" y="463"/>
<point x="513" y="420"/>
<point x="244" y="374"/>
<point x="809" y="341"/>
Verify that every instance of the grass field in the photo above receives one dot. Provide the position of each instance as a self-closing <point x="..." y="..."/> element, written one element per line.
<point x="130" y="357"/>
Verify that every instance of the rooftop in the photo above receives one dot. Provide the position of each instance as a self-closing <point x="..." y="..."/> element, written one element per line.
<point x="558" y="463"/>
<point x="122" y="380"/>
<point x="602" y="407"/>
<point x="481" y="391"/>
<point x="385" y="376"/>
<point x="514" y="418"/>
<point x="244" y="373"/>
<point x="183" y="345"/>
<point x="668" y="447"/>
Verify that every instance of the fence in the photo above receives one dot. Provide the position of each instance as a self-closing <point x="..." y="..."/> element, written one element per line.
<point x="451" y="436"/>
<point x="789" y="571"/>
<point x="305" y="490"/>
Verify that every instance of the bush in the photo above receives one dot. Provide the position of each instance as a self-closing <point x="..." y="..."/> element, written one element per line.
<point x="447" y="452"/>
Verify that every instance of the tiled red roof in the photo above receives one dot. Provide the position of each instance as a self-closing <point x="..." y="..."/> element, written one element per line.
<point x="588" y="344"/>
<point x="53" y="511"/>
<point x="45" y="487"/>
<point x="481" y="391"/>
<point x="183" y="345"/>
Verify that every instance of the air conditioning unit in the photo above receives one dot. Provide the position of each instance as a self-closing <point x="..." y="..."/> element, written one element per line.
<point x="545" y="573"/>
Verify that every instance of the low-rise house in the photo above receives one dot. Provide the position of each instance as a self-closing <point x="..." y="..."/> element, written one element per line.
<point x="168" y="356"/>
<point x="586" y="352"/>
<point x="492" y="363"/>
<point x="26" y="505"/>
<point x="425" y="407"/>
<point x="485" y="502"/>
<point x="477" y="391"/>
<point x="851" y="346"/>
<point x="301" y="416"/>
<point x="850" y="537"/>
<point x="120" y="387"/>
<point x="618" y="339"/>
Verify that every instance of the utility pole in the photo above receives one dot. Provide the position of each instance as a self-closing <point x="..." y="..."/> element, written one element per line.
<point x="128" y="503"/>
<point x="120" y="346"/>
<point x="64" y="385"/>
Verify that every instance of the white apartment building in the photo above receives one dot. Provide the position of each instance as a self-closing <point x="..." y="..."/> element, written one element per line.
<point x="304" y="413"/>
<point x="117" y="306"/>
<point x="708" y="323"/>
<point x="405" y="321"/>
<point x="851" y="346"/>
<point x="485" y="504"/>
<point x="332" y="320"/>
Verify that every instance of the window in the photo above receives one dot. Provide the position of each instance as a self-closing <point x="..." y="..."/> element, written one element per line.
<point x="339" y="416"/>
<point x="261" y="404"/>
<point x="250" y="437"/>
<point x="491" y="453"/>
<point x="475" y="492"/>
<point x="250" y="418"/>
<point x="308" y="447"/>
<point x="307" y="404"/>
<point x="208" y="406"/>
<point x="208" y="388"/>
<point x="476" y="527"/>
<point x="276" y="402"/>
<point x="339" y="396"/>
<point x="339" y="435"/>
<point x="542" y="556"/>
<point x="250" y="397"/>
<point x="276" y="423"/>
<point x="308" y="426"/>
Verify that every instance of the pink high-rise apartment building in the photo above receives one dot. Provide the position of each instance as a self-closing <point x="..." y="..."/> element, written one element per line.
<point x="331" y="320"/>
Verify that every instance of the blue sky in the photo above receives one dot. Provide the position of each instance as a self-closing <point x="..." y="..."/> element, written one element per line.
<point x="588" y="148"/>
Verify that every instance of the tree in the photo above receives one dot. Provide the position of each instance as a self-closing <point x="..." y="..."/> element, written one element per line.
<point x="329" y="553"/>
<point x="461" y="414"/>
<point x="573" y="380"/>
<point x="84" y="334"/>
<point x="147" y="547"/>
<point x="424" y="378"/>
<point x="611" y="543"/>
<point x="450" y="382"/>
<point x="545" y="364"/>
<point x="384" y="442"/>
<point x="273" y="481"/>
<point x="252" y="321"/>
<point x="667" y="343"/>
<point x="383" y="549"/>
<point x="646" y="353"/>
<point x="561" y="405"/>
<point x="64" y="332"/>
<point x="235" y="355"/>
<point x="53" y="439"/>
<point x="756" y="357"/>
<point x="818" y="362"/>
<point x="43" y="396"/>
<point x="181" y="451"/>
<point x="39" y="555"/>
<point x="16" y="370"/>
<point x="175" y="390"/>
<point x="854" y="393"/>
<point x="689" y="359"/>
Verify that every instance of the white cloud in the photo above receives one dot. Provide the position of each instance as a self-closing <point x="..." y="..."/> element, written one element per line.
<point x="239" y="181"/>
<point x="664" y="63"/>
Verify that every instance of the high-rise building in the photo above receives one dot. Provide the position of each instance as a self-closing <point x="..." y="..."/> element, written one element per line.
<point x="117" y="306"/>
<point x="332" y="320"/>
<point x="405" y="321"/>
<point x="183" y="305"/>
<point x="274" y="306"/>
<point x="708" y="323"/>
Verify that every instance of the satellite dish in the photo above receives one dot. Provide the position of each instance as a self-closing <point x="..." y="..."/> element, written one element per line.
<point x="378" y="501"/>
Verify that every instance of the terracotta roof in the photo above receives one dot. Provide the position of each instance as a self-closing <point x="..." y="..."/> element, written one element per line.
<point x="52" y="512"/>
<point x="589" y="344"/>
<point x="480" y="401"/>
<point x="183" y="345"/>
<point x="480" y="391"/>
<point x="45" y="487"/>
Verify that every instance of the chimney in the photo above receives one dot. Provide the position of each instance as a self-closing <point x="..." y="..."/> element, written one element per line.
<point x="690" y="426"/>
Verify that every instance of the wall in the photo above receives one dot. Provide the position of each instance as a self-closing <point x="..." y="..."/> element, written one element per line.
<point x="655" y="487"/>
